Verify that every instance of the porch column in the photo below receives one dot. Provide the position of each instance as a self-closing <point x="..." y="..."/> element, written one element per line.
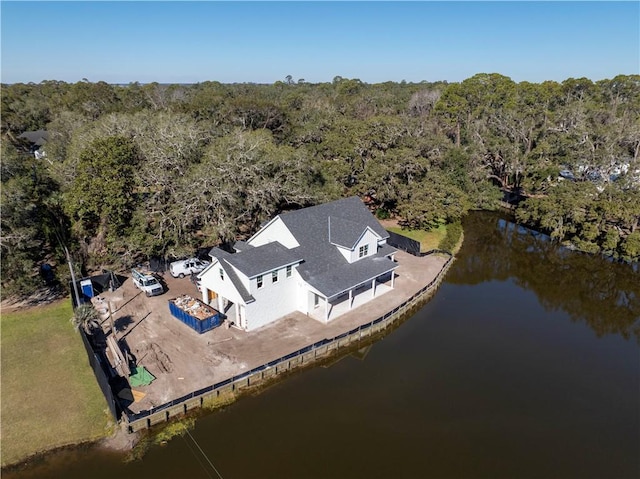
<point x="393" y="277"/>
<point x="237" y="307"/>
<point x="205" y="295"/>
<point x="326" y="310"/>
<point x="350" y="298"/>
<point x="373" y="288"/>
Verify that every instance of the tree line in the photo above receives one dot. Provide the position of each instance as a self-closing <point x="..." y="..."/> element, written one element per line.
<point x="602" y="293"/>
<point x="135" y="171"/>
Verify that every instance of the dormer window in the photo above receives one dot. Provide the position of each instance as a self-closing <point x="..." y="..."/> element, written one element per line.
<point x="363" y="251"/>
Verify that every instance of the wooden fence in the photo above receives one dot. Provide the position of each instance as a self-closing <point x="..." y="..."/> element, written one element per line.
<point x="318" y="351"/>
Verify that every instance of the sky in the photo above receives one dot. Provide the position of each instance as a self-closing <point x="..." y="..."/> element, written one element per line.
<point x="263" y="42"/>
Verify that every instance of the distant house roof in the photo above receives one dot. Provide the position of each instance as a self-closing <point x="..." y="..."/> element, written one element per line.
<point x="324" y="267"/>
<point x="38" y="137"/>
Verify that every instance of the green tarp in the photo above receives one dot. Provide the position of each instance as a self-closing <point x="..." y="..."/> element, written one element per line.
<point x="140" y="377"/>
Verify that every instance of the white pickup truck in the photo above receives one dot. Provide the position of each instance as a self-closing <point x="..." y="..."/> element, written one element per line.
<point x="147" y="283"/>
<point x="180" y="269"/>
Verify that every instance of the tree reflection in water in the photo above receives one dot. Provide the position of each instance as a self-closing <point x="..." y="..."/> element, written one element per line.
<point x="591" y="288"/>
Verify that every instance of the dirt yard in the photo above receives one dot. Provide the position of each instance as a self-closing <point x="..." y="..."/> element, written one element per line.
<point x="184" y="361"/>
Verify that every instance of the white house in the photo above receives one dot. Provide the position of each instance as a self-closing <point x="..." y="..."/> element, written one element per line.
<point x="322" y="261"/>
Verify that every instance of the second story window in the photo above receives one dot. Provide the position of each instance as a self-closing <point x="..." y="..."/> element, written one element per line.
<point x="274" y="277"/>
<point x="221" y="274"/>
<point x="289" y="271"/>
<point x="363" y="251"/>
<point x="259" y="280"/>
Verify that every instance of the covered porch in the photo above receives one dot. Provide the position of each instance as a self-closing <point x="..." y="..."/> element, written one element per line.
<point x="326" y="309"/>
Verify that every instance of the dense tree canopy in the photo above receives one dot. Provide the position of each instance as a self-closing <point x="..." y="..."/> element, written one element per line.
<point x="139" y="170"/>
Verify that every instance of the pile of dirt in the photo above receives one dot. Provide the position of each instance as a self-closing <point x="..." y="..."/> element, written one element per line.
<point x="153" y="355"/>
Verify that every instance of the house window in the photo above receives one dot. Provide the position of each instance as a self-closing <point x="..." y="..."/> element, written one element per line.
<point x="259" y="279"/>
<point x="274" y="277"/>
<point x="289" y="271"/>
<point x="316" y="300"/>
<point x="363" y="251"/>
<point x="221" y="274"/>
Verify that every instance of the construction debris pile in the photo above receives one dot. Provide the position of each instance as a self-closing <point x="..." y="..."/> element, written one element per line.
<point x="194" y="307"/>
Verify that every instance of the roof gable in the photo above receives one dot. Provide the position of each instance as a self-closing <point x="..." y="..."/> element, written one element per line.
<point x="346" y="233"/>
<point x="220" y="262"/>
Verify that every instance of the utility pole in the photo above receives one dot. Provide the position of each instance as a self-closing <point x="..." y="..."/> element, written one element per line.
<point x="113" y="329"/>
<point x="73" y="276"/>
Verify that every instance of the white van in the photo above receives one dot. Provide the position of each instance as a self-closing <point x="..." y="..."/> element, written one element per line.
<point x="182" y="268"/>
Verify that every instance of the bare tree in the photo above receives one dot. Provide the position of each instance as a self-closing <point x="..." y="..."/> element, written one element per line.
<point x="423" y="101"/>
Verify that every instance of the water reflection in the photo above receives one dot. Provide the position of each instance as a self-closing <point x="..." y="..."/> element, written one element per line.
<point x="589" y="288"/>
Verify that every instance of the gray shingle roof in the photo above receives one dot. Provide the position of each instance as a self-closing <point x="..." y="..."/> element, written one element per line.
<point x="38" y="137"/>
<point x="386" y="249"/>
<point x="240" y="245"/>
<point x="262" y="259"/>
<point x="334" y="281"/>
<point x="344" y="232"/>
<point x="218" y="253"/>
<point x="324" y="267"/>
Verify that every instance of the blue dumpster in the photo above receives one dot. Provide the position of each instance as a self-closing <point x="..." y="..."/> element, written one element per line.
<point x="194" y="313"/>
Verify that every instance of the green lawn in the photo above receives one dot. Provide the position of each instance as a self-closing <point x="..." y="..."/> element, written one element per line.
<point x="49" y="394"/>
<point x="428" y="239"/>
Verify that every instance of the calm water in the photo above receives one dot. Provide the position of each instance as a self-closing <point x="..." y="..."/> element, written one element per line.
<point x="525" y="364"/>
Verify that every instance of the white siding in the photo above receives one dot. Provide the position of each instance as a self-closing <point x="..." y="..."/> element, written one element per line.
<point x="273" y="300"/>
<point x="346" y="252"/>
<point x="305" y="293"/>
<point x="301" y="292"/>
<point x="211" y="280"/>
<point x="276" y="230"/>
<point x="370" y="239"/>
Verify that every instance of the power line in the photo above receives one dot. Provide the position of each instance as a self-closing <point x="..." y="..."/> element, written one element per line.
<point x="203" y="453"/>
<point x="203" y="466"/>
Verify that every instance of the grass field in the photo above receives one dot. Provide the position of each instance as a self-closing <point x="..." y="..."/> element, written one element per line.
<point x="50" y="397"/>
<point x="428" y="239"/>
